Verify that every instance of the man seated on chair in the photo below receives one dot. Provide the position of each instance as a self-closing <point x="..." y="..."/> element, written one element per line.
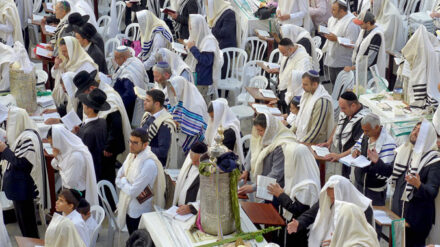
<point x="141" y="180"/>
<point x="84" y="35"/>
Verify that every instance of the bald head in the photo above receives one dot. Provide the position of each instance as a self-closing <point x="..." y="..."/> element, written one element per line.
<point x="121" y="56"/>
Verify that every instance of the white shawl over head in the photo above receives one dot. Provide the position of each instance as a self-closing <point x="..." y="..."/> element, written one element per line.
<point x="62" y="232"/>
<point x="9" y="14"/>
<point x="296" y="33"/>
<point x="84" y="8"/>
<point x="206" y="42"/>
<point x="68" y="143"/>
<point x="187" y="164"/>
<point x="307" y="103"/>
<point x="345" y="191"/>
<point x="436" y="121"/>
<point x="6" y="59"/>
<point x="352" y="228"/>
<point x="178" y="66"/>
<point x="226" y="118"/>
<point x="132" y="69"/>
<point x="215" y="9"/>
<point x="132" y="167"/>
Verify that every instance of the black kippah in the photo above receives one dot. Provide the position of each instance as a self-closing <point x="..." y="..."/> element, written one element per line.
<point x="77" y="194"/>
<point x="83" y="203"/>
<point x="349" y="96"/>
<point x="199" y="148"/>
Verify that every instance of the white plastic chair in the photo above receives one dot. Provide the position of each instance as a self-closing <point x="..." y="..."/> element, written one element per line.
<point x="98" y="214"/>
<point x="120" y="12"/>
<point x="257" y="48"/>
<point x="317" y="40"/>
<point x="274" y="59"/>
<point x="250" y="70"/>
<point x="135" y="32"/>
<point x="121" y="36"/>
<point x="246" y="139"/>
<point x="113" y="225"/>
<point x="104" y="7"/>
<point x="110" y="46"/>
<point x="103" y="23"/>
<point x="257" y="82"/>
<point x="235" y="58"/>
<point x="318" y="54"/>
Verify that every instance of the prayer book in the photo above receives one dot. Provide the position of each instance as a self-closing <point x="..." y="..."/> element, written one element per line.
<point x="48" y="148"/>
<point x="45" y="101"/>
<point x="49" y="6"/>
<point x="345" y="41"/>
<point x="148" y="193"/>
<point x="323" y="29"/>
<point x="50" y="29"/>
<point x="262" y="183"/>
<point x="133" y="1"/>
<point x="37" y="17"/>
<point x="46" y="116"/>
<point x="71" y="119"/>
<point x="360" y="161"/>
<point x="42" y="52"/>
<point x="141" y="93"/>
<point x="172" y="212"/>
<point x="320" y="151"/>
<point x="382" y="217"/>
<point x="268" y="93"/>
<point x="168" y="11"/>
<point x="262" y="33"/>
<point x="179" y="48"/>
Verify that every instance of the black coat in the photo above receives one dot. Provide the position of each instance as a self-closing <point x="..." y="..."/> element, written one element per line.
<point x="98" y="57"/>
<point x="225" y="30"/>
<point x="191" y="7"/>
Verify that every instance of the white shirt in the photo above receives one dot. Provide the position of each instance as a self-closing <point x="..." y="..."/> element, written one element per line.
<point x="80" y="226"/>
<point x="146" y="176"/>
<point x="87" y="120"/>
<point x="91" y="225"/>
<point x="72" y="170"/>
<point x="193" y="172"/>
<point x="157" y="114"/>
<point x="158" y="42"/>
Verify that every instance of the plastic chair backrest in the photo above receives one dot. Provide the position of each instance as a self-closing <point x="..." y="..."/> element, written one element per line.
<point x="110" y="46"/>
<point x="135" y="32"/>
<point x="257" y="48"/>
<point x="235" y="58"/>
<point x="98" y="214"/>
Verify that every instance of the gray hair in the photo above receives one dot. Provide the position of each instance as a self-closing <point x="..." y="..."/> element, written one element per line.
<point x="162" y="70"/>
<point x="372" y="119"/>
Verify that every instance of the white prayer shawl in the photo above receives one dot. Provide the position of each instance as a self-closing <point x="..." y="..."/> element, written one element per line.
<point x="226" y="118"/>
<point x="132" y="69"/>
<point x="62" y="232"/>
<point x="116" y="104"/>
<point x="296" y="33"/>
<point x="205" y="42"/>
<point x="423" y="60"/>
<point x="287" y="7"/>
<point x="5" y="60"/>
<point x="132" y="167"/>
<point x="352" y="228"/>
<point x="25" y="9"/>
<point x="178" y="66"/>
<point x="69" y="143"/>
<point x="275" y="135"/>
<point x="345" y="191"/>
<point x="307" y="103"/>
<point x="215" y="9"/>
<point x="337" y="27"/>
<point x="436" y="121"/>
<point x="302" y="180"/>
<point x="4" y="237"/>
<point x="182" y="180"/>
<point x="84" y="8"/>
<point x="80" y="226"/>
<point x="9" y="16"/>
<point x="361" y="47"/>
<point x="347" y="131"/>
<point x="390" y="20"/>
<point x="72" y="101"/>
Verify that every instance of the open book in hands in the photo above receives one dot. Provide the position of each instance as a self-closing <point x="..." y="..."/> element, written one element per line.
<point x="262" y="183"/>
<point x="361" y="161"/>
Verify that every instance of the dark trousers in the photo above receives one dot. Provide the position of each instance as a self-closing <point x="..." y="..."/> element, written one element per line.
<point x="132" y="223"/>
<point x="377" y="198"/>
<point x="282" y="104"/>
<point x="346" y="170"/>
<point x="109" y="174"/>
<point x="332" y="73"/>
<point x="415" y="238"/>
<point x="25" y="213"/>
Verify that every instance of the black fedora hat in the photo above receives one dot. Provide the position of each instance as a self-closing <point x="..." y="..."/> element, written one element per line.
<point x="87" y="31"/>
<point x="83" y="80"/>
<point x="76" y="20"/>
<point x="96" y="99"/>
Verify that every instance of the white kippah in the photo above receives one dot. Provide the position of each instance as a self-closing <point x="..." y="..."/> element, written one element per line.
<point x="342" y="2"/>
<point x="121" y="48"/>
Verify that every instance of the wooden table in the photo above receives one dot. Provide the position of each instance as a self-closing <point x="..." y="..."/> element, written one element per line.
<point x="28" y="242"/>
<point x="321" y="162"/>
<point x="392" y="216"/>
<point x="263" y="213"/>
<point x="255" y="93"/>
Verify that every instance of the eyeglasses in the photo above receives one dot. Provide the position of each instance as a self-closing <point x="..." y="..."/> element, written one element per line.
<point x="133" y="142"/>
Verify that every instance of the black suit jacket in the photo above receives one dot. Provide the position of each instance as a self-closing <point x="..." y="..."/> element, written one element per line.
<point x="98" y="56"/>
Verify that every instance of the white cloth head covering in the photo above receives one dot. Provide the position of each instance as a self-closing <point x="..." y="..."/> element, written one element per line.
<point x="215" y="9"/>
<point x="206" y="42"/>
<point x="226" y="118"/>
<point x="175" y="61"/>
<point x="436" y="121"/>
<point x="62" y="232"/>
<point x="84" y="8"/>
<point x="343" y="191"/>
<point x="68" y="143"/>
<point x="296" y="33"/>
<point x="132" y="69"/>
<point x="77" y="55"/>
<point x="352" y="228"/>
<point x="9" y="13"/>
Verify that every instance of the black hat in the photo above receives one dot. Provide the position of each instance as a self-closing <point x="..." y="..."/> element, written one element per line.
<point x="350" y="96"/>
<point x="199" y="148"/>
<point x="96" y="99"/>
<point x="84" y="80"/>
<point x="87" y="31"/>
<point x="76" y="20"/>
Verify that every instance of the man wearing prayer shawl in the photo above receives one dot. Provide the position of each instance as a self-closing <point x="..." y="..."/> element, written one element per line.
<point x="186" y="194"/>
<point x="378" y="146"/>
<point x="130" y="73"/>
<point x="435" y="13"/>
<point x="347" y="131"/>
<point x="416" y="177"/>
<point x="340" y="25"/>
<point x="74" y="161"/>
<point x="25" y="173"/>
<point x="272" y="146"/>
<point x="140" y="175"/>
<point x="10" y="29"/>
<point x="321" y="216"/>
<point x="62" y="12"/>
<point x="294" y="63"/>
<point x="76" y="21"/>
<point x="183" y="9"/>
<point x="221" y="115"/>
<point x="178" y="66"/>
<point x="84" y="8"/>
<point x="388" y="17"/>
<point x="314" y="123"/>
<point x="155" y="34"/>
<point x="62" y="232"/>
<point x="85" y="35"/>
<point x="369" y="49"/>
<point x="301" y="190"/>
<point x="294" y="12"/>
<point x="161" y="129"/>
<point x="205" y="57"/>
<point x="118" y="125"/>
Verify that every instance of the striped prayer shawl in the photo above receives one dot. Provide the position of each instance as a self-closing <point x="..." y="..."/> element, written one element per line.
<point x="342" y="133"/>
<point x="428" y="158"/>
<point x="164" y="118"/>
<point x="146" y="46"/>
<point x="177" y="24"/>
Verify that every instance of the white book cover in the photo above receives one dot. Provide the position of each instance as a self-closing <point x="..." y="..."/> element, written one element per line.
<point x="382" y="217"/>
<point x="361" y="161"/>
<point x="267" y="93"/>
<point x="345" y="41"/>
<point x="46" y="116"/>
<point x="272" y="65"/>
<point x="141" y="93"/>
<point x="323" y="29"/>
<point x="50" y="29"/>
<point x="262" y="183"/>
<point x="71" y="119"/>
<point x="320" y="151"/>
<point x="262" y="33"/>
<point x="172" y="212"/>
<point x="179" y="47"/>
<point x="43" y="52"/>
